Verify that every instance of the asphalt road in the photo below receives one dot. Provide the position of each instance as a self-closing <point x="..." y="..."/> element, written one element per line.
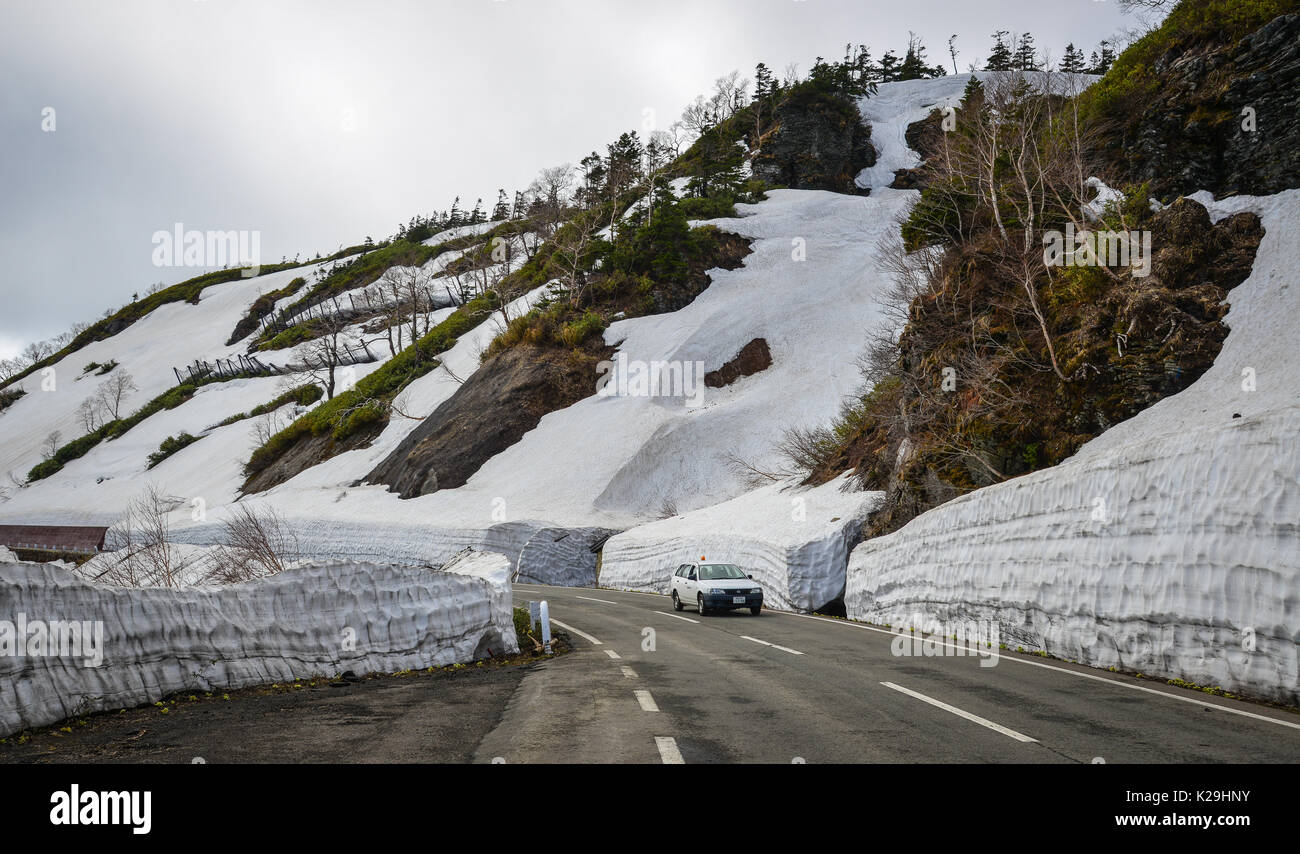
<point x="790" y="688"/>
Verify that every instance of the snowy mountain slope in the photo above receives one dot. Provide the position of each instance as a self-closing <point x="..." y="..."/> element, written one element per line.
<point x="1168" y="544"/>
<point x="604" y="463"/>
<point x="172" y="335"/>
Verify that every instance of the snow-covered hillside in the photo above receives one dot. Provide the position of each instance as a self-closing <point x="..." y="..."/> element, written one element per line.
<point x="1163" y="545"/>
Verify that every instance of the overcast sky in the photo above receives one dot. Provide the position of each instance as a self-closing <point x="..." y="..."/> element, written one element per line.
<point x="319" y="123"/>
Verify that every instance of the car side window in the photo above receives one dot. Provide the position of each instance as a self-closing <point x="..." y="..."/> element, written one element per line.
<point x="690" y="573"/>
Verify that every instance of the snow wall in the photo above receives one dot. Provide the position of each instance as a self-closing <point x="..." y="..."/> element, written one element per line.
<point x="1169" y="545"/>
<point x="795" y="542"/>
<point x="305" y="622"/>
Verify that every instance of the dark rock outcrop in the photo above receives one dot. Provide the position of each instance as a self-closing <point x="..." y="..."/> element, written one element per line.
<point x="492" y="410"/>
<point x="752" y="358"/>
<point x="923" y="137"/>
<point x="1192" y="132"/>
<point x="818" y="142"/>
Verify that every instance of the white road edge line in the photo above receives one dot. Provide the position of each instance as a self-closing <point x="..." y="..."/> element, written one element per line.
<point x="629" y="673"/>
<point x="611" y="653"/>
<point x="985" y="722"/>
<point x="578" y="632"/>
<point x="1114" y="682"/>
<point x="676" y="616"/>
<point x="774" y="646"/>
<point x="589" y="599"/>
<point x="668" y="751"/>
<point x="647" y="702"/>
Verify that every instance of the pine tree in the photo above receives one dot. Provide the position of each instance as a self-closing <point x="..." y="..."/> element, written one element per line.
<point x="476" y="216"/>
<point x="1072" y="62"/>
<point x="1105" y="61"/>
<point x="1000" y="56"/>
<point x="502" y="209"/>
<point x="888" y="67"/>
<point x="762" y="83"/>
<point x="913" y="66"/>
<point x="1026" y="56"/>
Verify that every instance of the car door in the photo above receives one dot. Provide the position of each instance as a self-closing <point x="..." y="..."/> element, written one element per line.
<point x="692" y="585"/>
<point x="676" y="586"/>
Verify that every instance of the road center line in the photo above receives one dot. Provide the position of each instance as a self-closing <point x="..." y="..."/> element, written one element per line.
<point x="774" y="646"/>
<point x="647" y="702"/>
<point x="629" y="673"/>
<point x="611" y="653"/>
<point x="985" y="722"/>
<point x="676" y="616"/>
<point x="578" y="632"/>
<point x="589" y="599"/>
<point x="668" y="751"/>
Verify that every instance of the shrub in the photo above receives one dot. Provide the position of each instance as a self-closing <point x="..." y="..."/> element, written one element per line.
<point x="169" y="446"/>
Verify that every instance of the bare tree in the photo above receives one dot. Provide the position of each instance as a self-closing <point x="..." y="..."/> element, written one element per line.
<point x="324" y="355"/>
<point x="53" y="440"/>
<point x="145" y="554"/>
<point x="254" y="545"/>
<point x="571" y="253"/>
<point x="113" y="391"/>
<point x="91" y="413"/>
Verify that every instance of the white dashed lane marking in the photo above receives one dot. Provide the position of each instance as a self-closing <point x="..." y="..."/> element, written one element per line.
<point x="984" y="722"/>
<point x="647" y="702"/>
<point x="668" y="751"/>
<point x="773" y="645"/>
<point x="677" y="616"/>
<point x="579" y="632"/>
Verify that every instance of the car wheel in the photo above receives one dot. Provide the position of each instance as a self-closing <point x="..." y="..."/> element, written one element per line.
<point x="699" y="601"/>
<point x="754" y="610"/>
<point x="677" y="603"/>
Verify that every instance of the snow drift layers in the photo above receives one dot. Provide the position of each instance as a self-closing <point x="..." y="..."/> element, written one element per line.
<point x="795" y="542"/>
<point x="1184" y="563"/>
<point x="537" y="552"/>
<point x="304" y="622"/>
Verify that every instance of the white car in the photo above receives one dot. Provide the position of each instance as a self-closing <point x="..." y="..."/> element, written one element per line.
<point x="715" y="587"/>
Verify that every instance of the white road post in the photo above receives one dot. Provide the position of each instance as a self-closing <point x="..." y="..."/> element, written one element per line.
<point x="546" y="626"/>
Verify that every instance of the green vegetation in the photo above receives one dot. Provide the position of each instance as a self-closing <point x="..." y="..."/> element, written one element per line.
<point x="263" y="306"/>
<point x="169" y="446"/>
<point x="1189" y="24"/>
<point x="366" y="406"/>
<point x="9" y="396"/>
<point x="655" y="263"/>
<point x="303" y="395"/>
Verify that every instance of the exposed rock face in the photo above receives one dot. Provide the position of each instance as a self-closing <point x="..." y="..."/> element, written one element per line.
<point x="752" y="358"/>
<point x="818" y="143"/>
<point x="923" y="137"/>
<point x="1190" y="136"/>
<point x="495" y="407"/>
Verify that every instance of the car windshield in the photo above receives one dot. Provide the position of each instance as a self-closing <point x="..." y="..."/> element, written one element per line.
<point x="714" y="571"/>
